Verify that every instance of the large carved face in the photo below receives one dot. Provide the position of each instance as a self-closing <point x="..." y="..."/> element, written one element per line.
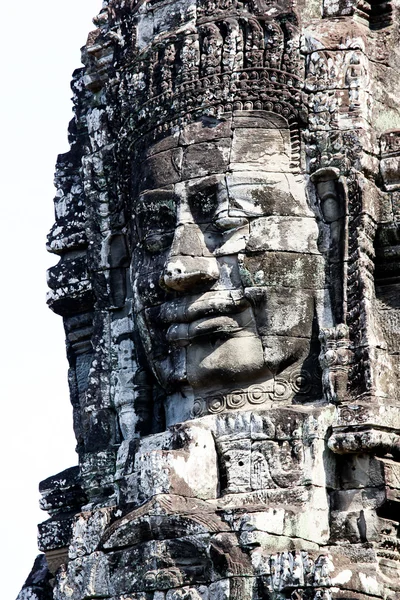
<point x="227" y="274"/>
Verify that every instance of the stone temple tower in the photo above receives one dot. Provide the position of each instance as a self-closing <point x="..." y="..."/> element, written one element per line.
<point x="228" y="227"/>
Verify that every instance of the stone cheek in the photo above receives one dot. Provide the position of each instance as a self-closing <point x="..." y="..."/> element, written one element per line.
<point x="286" y="269"/>
<point x="282" y="233"/>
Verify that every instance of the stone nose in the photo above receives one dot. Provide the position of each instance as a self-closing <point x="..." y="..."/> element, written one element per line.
<point x="190" y="264"/>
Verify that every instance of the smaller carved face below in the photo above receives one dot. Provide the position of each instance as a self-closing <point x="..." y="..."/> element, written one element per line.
<point x="227" y="275"/>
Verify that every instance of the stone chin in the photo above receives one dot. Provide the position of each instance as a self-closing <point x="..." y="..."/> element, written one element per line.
<point x="228" y="362"/>
<point x="213" y="362"/>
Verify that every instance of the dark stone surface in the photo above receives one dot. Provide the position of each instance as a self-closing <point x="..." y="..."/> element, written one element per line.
<point x="38" y="586"/>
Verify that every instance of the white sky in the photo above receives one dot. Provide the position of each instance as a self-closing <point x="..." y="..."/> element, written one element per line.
<point x="40" y="44"/>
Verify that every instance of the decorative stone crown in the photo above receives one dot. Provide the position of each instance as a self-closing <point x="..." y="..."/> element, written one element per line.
<point x="228" y="59"/>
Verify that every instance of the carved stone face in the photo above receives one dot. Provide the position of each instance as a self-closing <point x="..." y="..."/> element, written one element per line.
<point x="227" y="274"/>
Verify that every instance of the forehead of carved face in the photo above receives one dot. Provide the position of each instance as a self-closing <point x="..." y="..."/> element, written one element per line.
<point x="226" y="271"/>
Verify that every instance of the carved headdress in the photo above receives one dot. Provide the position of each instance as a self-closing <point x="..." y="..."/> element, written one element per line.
<point x="212" y="57"/>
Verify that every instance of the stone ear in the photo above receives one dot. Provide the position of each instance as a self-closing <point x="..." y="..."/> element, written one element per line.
<point x="332" y="198"/>
<point x="330" y="193"/>
<point x="119" y="262"/>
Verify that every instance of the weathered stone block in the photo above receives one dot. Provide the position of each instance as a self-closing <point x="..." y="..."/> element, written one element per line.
<point x="390" y="169"/>
<point x="55" y="533"/>
<point x="160" y="469"/>
<point x="88" y="529"/>
<point x="38" y="584"/>
<point x="62" y="492"/>
<point x="235" y="459"/>
<point x="260" y="119"/>
<point x="160" y="565"/>
<point x="84" y="578"/>
<point x="202" y="199"/>
<point x="274" y="315"/>
<point x="164" y="144"/>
